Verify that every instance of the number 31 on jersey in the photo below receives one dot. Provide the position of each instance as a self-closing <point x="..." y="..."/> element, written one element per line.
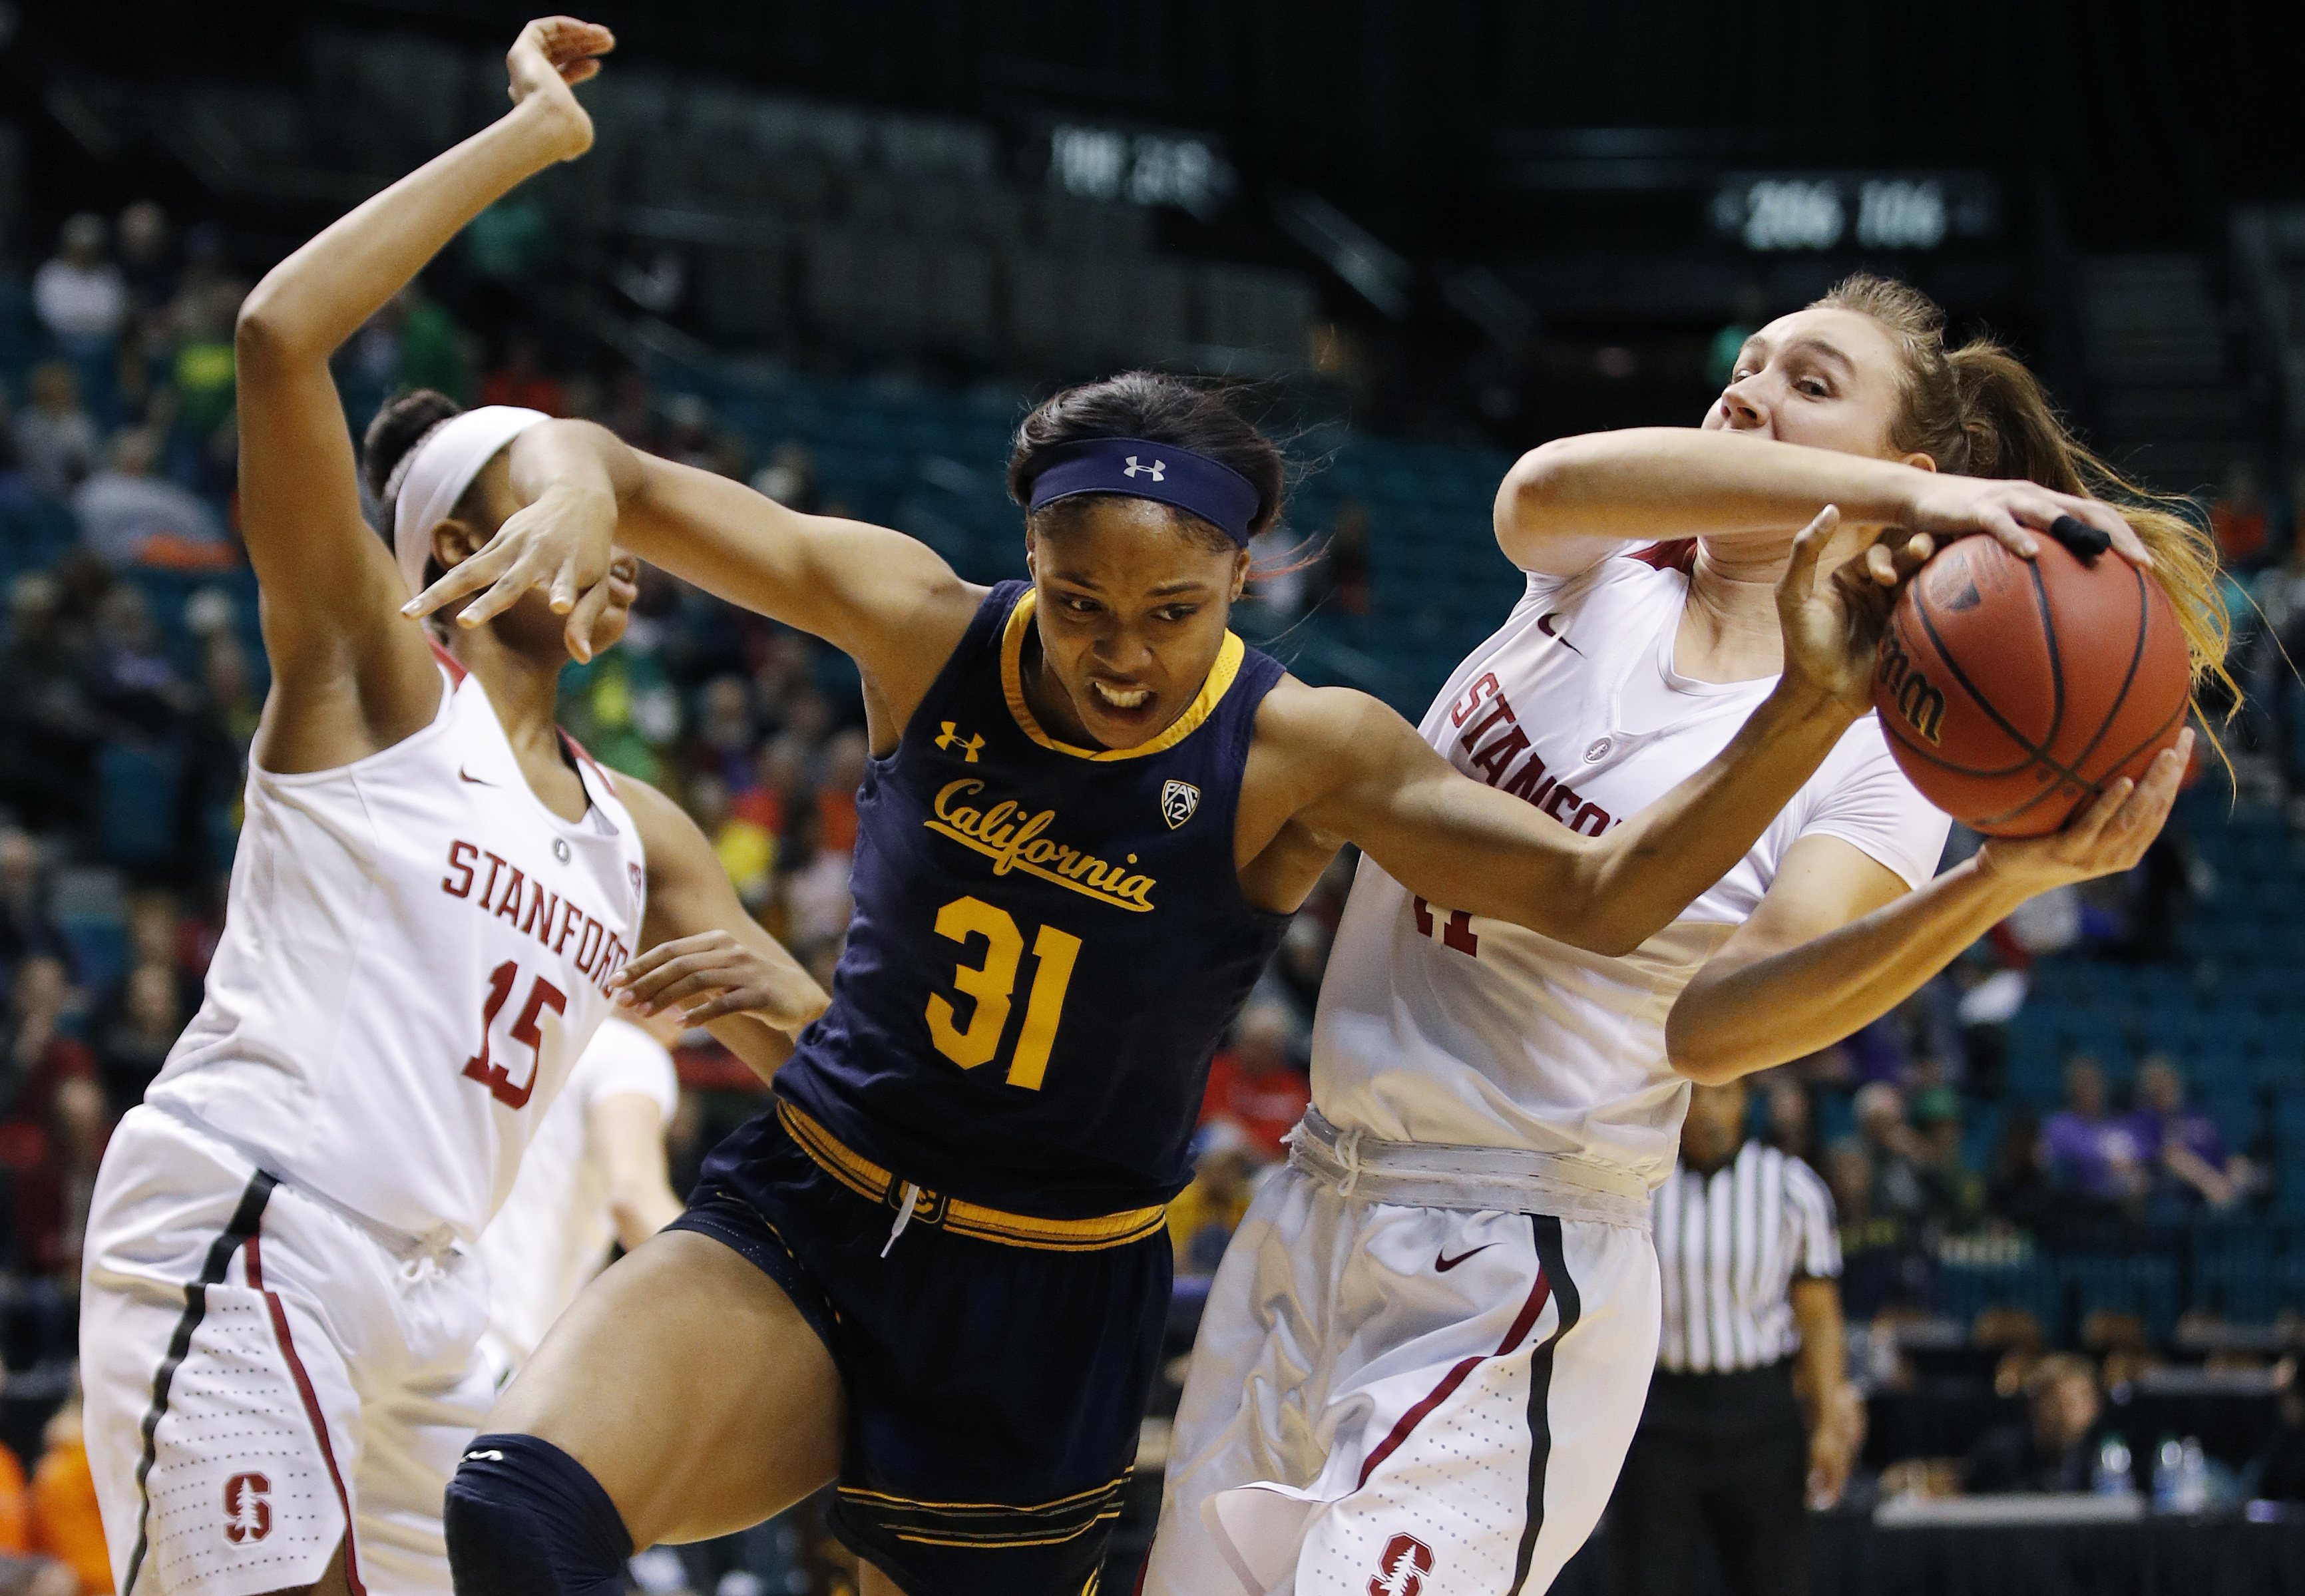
<point x="993" y="984"/>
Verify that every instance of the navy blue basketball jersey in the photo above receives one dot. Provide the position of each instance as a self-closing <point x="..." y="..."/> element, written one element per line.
<point x="1047" y="944"/>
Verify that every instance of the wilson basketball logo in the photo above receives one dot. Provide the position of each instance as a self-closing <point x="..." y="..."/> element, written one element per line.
<point x="247" y="1515"/>
<point x="1401" y="1571"/>
<point x="1919" y="702"/>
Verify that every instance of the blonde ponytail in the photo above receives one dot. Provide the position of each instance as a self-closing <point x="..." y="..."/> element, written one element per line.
<point x="1976" y="411"/>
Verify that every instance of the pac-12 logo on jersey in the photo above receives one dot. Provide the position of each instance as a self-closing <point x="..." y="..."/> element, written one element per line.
<point x="1178" y="800"/>
<point x="1401" y="1571"/>
<point x="247" y="1515"/>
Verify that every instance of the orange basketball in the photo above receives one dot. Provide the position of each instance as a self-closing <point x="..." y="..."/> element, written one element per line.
<point x="2013" y="690"/>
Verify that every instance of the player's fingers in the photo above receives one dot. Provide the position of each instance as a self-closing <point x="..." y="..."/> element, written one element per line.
<point x="467" y="576"/>
<point x="585" y="619"/>
<point x="1799" y="579"/>
<point x="2083" y="830"/>
<point x="1914" y="553"/>
<point x="1881" y="565"/>
<point x="527" y="571"/>
<point x="696" y="984"/>
<point x="736" y="1000"/>
<point x="2009" y="532"/>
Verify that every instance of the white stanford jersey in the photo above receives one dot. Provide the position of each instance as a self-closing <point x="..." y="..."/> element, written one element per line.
<point x="415" y="953"/>
<point x="552" y="1234"/>
<point x="1435" y="1025"/>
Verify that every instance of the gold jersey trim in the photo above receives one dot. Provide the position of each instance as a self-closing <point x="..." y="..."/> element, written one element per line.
<point x="1213" y="688"/>
<point x="866" y="1178"/>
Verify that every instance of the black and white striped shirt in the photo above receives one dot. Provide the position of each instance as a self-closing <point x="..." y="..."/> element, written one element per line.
<point x="1730" y="1245"/>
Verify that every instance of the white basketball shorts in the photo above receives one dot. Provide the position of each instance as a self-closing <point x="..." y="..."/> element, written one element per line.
<point x="1399" y="1399"/>
<point x="267" y="1376"/>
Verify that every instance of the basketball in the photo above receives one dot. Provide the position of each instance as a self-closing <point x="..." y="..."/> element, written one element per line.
<point x="2013" y="690"/>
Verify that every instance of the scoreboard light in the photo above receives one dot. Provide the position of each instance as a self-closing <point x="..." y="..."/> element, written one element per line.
<point x="1826" y="210"/>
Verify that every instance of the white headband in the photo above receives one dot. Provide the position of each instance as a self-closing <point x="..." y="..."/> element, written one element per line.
<point x="432" y="476"/>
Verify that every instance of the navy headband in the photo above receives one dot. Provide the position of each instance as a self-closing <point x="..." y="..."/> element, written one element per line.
<point x="1163" y="472"/>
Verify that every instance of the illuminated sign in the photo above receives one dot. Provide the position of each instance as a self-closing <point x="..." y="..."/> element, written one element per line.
<point x="1833" y="210"/>
<point x="1102" y="163"/>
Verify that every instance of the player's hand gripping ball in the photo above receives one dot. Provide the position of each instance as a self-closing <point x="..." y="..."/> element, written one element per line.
<point x="2012" y="691"/>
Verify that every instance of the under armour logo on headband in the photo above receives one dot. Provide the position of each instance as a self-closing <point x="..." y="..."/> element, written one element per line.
<point x="1153" y="469"/>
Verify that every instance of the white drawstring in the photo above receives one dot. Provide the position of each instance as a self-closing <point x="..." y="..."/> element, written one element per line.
<point x="1349" y="1154"/>
<point x="904" y="1216"/>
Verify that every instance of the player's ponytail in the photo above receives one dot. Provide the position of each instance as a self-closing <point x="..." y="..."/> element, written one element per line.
<point x="1159" y="408"/>
<point x="399" y="423"/>
<point x="1978" y="411"/>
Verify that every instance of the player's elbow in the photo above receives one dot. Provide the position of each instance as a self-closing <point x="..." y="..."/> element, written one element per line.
<point x="1699" y="1050"/>
<point x="1529" y="495"/>
<point x="263" y="336"/>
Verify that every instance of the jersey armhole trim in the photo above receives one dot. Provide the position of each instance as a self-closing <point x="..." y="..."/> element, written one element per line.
<point x="453" y="677"/>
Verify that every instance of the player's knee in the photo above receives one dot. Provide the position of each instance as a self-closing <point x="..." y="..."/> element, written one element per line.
<point x="526" y="1519"/>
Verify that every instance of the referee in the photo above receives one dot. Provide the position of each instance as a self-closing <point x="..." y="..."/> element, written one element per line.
<point x="1750" y="1417"/>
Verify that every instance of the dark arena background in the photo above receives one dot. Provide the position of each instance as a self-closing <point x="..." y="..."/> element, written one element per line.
<point x="836" y="250"/>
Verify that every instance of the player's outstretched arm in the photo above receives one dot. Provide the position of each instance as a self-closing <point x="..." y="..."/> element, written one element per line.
<point x="347" y="678"/>
<point x="1837" y="941"/>
<point x="698" y="942"/>
<point x="1567" y="505"/>
<point x="1456" y="842"/>
<point x="888" y="600"/>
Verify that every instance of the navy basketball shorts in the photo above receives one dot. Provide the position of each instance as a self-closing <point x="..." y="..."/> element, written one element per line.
<point x="996" y="1366"/>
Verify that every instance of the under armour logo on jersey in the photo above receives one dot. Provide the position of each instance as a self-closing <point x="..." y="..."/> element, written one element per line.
<point x="1178" y="800"/>
<point x="950" y="738"/>
<point x="1401" y="1571"/>
<point x="1153" y="470"/>
<point x="247" y="1515"/>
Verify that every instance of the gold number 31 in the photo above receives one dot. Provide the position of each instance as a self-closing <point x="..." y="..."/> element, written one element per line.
<point x="993" y="982"/>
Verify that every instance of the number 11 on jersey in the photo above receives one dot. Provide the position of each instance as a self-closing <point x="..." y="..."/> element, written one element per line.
<point x="1458" y="933"/>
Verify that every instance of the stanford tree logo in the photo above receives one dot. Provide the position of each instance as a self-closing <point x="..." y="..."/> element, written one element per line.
<point x="247" y="1515"/>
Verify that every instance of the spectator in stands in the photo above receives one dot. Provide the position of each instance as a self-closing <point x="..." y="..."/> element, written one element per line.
<point x="2183" y="1150"/>
<point x="1204" y="1214"/>
<point x="1897" y="1155"/>
<point x="1871" y="1251"/>
<point x="51" y="1118"/>
<point x="148" y="267"/>
<point x="130" y="679"/>
<point x="48" y="731"/>
<point x="55" y="440"/>
<point x="2277" y="1472"/>
<point x="133" y="1046"/>
<point x="723" y="739"/>
<point x="1257" y="1083"/>
<point x="1789" y="1125"/>
<point x="67" y="1526"/>
<point x="2091" y="1152"/>
<point x="747" y="849"/>
<point x="2018" y="1190"/>
<point x="28" y="929"/>
<point x="78" y="295"/>
<point x="813" y="881"/>
<point x="1954" y="1192"/>
<point x="128" y="515"/>
<point x="2237" y="519"/>
<point x="845" y="758"/>
<point x="1294" y="976"/>
<point x="203" y="370"/>
<point x="1341" y="580"/>
<point x="2055" y="1449"/>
